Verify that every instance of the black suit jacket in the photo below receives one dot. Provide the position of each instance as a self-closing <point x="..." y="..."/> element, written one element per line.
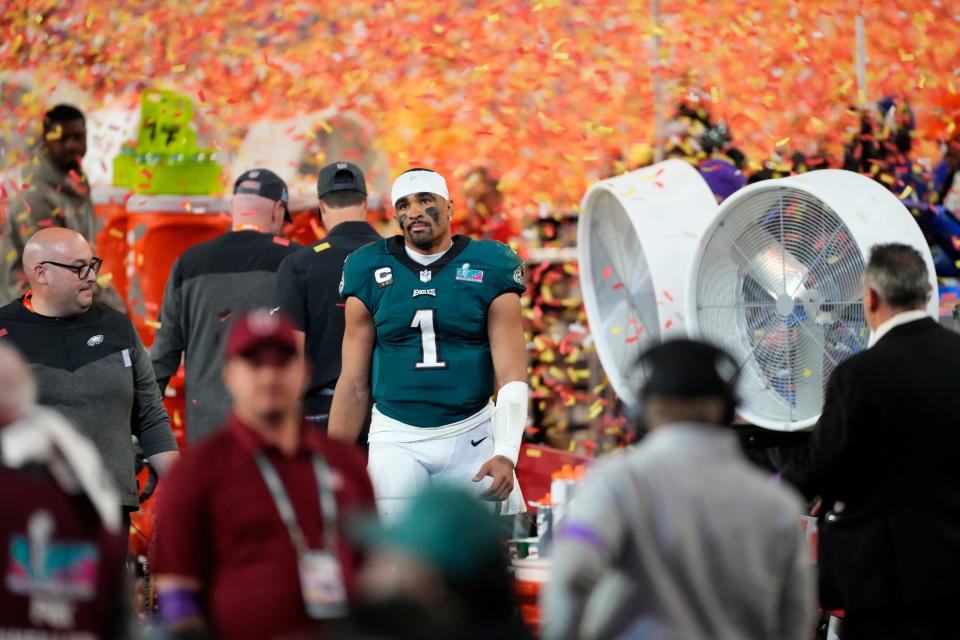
<point x="888" y="447"/>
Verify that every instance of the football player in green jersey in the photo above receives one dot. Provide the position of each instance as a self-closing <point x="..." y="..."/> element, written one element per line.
<point x="433" y="330"/>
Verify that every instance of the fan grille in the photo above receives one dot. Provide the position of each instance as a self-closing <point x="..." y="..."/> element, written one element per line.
<point x="627" y="321"/>
<point x="779" y="288"/>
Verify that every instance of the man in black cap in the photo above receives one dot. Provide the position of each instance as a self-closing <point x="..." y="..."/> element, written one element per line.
<point x="695" y="542"/>
<point x="214" y="282"/>
<point x="309" y="280"/>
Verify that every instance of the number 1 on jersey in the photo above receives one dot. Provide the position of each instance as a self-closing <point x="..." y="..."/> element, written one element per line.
<point x="423" y="319"/>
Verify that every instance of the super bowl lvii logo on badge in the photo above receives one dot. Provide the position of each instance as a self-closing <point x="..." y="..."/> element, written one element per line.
<point x="469" y="275"/>
<point x="383" y="276"/>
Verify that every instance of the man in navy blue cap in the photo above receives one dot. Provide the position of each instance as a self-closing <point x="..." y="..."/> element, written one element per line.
<point x="308" y="281"/>
<point x="698" y="543"/>
<point x="213" y="283"/>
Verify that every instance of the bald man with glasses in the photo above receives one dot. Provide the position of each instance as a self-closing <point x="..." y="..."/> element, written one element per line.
<point x="87" y="358"/>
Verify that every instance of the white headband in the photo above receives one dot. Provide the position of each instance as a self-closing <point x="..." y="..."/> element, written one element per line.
<point x="412" y="182"/>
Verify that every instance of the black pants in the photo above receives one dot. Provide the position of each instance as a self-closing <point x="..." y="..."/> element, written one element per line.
<point x="928" y="621"/>
<point x="316" y="411"/>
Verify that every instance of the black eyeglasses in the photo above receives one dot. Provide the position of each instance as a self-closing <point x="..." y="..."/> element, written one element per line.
<point x="82" y="270"/>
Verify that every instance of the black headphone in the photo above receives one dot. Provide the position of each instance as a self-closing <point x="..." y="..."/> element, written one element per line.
<point x="724" y="385"/>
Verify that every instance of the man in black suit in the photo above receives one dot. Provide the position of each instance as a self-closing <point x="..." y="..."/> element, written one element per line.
<point x="883" y="460"/>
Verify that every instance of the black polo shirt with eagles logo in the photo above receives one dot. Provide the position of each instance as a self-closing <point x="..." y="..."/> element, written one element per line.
<point x="94" y="370"/>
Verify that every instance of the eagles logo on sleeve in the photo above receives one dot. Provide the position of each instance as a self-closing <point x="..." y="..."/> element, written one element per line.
<point x="518" y="275"/>
<point x="340" y="288"/>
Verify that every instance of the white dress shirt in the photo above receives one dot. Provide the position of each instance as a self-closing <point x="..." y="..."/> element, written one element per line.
<point x="901" y="318"/>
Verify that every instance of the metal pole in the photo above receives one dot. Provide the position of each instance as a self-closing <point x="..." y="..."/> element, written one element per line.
<point x="861" y="61"/>
<point x="658" y="97"/>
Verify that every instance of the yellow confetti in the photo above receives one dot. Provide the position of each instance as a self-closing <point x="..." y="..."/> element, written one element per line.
<point x="153" y="324"/>
<point x="116" y="233"/>
<point x="493" y="17"/>
<point x="807" y="373"/>
<point x="616" y="330"/>
<point x="782" y="142"/>
<point x="178" y="68"/>
<point x="104" y="279"/>
<point x="714" y="94"/>
<point x="595" y="410"/>
<point x="906" y="192"/>
<point x="322" y="247"/>
<point x="533" y="453"/>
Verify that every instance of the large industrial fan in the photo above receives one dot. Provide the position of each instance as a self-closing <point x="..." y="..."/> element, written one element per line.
<point x="636" y="237"/>
<point x="776" y="280"/>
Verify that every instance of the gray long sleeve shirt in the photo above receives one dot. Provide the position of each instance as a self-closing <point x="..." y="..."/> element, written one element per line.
<point x="685" y="540"/>
<point x="210" y="285"/>
<point x="94" y="369"/>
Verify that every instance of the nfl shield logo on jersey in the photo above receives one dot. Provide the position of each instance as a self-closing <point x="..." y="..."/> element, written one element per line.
<point x="426" y="275"/>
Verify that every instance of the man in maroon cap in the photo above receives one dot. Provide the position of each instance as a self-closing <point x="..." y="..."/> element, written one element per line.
<point x="251" y="526"/>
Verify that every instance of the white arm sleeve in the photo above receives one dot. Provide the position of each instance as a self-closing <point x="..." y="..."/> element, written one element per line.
<point x="510" y="419"/>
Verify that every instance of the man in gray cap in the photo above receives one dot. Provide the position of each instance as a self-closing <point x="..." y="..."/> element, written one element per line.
<point x="309" y="280"/>
<point x="681" y="536"/>
<point x="211" y="284"/>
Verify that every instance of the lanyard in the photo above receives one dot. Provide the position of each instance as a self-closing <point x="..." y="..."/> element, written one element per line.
<point x="328" y="503"/>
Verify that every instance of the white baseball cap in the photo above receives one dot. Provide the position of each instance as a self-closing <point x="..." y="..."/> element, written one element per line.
<point x="418" y="181"/>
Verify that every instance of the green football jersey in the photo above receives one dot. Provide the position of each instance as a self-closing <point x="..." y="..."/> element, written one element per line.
<point x="431" y="361"/>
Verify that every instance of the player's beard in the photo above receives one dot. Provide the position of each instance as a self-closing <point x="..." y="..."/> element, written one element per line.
<point x="422" y="239"/>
